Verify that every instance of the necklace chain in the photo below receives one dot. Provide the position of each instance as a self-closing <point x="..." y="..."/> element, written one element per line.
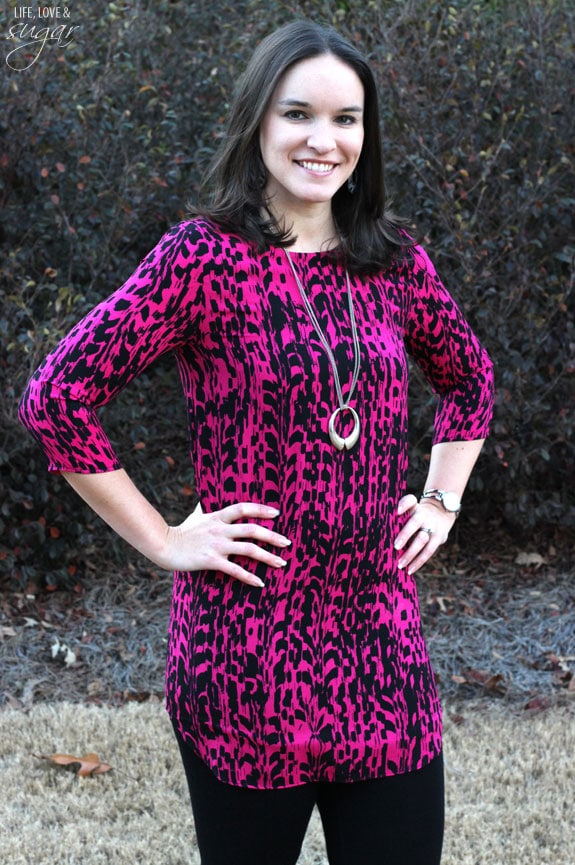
<point x="339" y="442"/>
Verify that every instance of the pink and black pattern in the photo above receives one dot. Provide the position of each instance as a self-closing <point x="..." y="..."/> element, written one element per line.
<point x="324" y="673"/>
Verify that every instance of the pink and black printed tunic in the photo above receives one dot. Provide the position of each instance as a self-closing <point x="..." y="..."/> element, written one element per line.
<point x="322" y="675"/>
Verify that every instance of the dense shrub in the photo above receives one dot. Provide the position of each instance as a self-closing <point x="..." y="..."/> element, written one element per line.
<point x="104" y="140"/>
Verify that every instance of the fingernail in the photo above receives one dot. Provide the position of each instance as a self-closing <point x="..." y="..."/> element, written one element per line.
<point x="280" y="563"/>
<point x="285" y="542"/>
<point x="257" y="582"/>
<point x="401" y="564"/>
<point x="274" y="512"/>
<point x="398" y="545"/>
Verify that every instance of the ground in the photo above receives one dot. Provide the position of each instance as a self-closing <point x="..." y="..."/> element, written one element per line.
<point x="499" y="618"/>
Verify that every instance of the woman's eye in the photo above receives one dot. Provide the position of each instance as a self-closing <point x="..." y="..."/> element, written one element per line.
<point x="294" y="114"/>
<point x="346" y="120"/>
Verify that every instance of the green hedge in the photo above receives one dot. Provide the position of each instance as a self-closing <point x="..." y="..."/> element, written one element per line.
<point x="103" y="142"/>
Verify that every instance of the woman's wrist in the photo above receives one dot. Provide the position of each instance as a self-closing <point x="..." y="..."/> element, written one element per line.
<point x="446" y="499"/>
<point x="434" y="504"/>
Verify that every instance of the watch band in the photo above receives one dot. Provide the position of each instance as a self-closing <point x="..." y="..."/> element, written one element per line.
<point x="450" y="501"/>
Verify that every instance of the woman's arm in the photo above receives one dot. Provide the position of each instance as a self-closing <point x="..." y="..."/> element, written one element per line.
<point x="450" y="466"/>
<point x="158" y="309"/>
<point x="459" y="369"/>
<point x="202" y="541"/>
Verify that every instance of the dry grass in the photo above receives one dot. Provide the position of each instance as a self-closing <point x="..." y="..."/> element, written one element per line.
<point x="510" y="784"/>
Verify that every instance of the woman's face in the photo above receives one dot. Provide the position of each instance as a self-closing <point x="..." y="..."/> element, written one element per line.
<point x="312" y="133"/>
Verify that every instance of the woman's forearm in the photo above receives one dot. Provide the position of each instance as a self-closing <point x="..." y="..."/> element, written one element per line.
<point x="451" y="464"/>
<point x="117" y="500"/>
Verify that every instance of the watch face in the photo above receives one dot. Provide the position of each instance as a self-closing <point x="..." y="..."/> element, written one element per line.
<point x="451" y="502"/>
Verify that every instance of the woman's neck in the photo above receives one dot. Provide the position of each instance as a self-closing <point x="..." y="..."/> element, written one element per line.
<point x="313" y="229"/>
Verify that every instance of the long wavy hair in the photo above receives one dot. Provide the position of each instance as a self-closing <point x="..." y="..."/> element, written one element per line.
<point x="233" y="191"/>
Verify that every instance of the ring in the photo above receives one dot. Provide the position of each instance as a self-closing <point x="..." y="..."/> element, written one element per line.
<point x="426" y="530"/>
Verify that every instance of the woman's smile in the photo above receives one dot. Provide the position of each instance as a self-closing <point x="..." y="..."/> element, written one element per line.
<point x="320" y="167"/>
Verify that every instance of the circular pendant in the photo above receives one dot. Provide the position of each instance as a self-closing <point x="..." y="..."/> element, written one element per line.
<point x="337" y="440"/>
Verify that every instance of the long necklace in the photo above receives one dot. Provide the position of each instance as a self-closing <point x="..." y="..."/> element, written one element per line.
<point x="337" y="441"/>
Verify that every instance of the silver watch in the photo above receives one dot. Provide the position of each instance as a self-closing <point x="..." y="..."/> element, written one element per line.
<point x="450" y="501"/>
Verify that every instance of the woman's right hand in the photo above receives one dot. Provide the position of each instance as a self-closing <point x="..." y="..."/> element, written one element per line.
<point x="201" y="542"/>
<point x="209" y="541"/>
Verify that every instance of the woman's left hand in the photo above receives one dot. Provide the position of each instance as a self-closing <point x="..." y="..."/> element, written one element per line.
<point x="426" y="529"/>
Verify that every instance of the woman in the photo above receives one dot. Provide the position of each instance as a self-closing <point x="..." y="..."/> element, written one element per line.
<point x="297" y="672"/>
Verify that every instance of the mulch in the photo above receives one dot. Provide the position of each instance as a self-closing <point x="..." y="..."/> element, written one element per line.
<point x="499" y="617"/>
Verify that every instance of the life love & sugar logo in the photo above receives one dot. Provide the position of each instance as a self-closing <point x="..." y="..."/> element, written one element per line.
<point x="34" y="29"/>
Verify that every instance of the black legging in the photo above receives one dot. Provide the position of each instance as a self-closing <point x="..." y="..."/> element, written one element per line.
<point x="395" y="820"/>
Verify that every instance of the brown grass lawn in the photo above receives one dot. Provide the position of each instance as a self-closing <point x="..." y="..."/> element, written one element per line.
<point x="510" y="788"/>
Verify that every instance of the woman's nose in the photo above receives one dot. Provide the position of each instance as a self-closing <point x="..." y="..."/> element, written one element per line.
<point x="321" y="140"/>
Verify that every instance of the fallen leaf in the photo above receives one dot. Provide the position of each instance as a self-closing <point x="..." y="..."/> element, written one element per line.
<point x="492" y="682"/>
<point x="537" y="704"/>
<point x="90" y="764"/>
<point x="95" y="687"/>
<point x="137" y="696"/>
<point x="477" y="677"/>
<point x="563" y="661"/>
<point x="63" y="653"/>
<point x="445" y="601"/>
<point x="529" y="559"/>
<point x="496" y="684"/>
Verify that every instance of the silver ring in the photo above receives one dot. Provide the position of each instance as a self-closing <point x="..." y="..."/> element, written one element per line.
<point x="426" y="530"/>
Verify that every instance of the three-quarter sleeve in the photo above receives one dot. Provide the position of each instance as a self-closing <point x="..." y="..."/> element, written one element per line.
<point x="451" y="357"/>
<point x="153" y="312"/>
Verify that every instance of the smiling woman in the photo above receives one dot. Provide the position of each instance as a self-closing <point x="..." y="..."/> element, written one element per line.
<point x="297" y="670"/>
<point x="311" y="141"/>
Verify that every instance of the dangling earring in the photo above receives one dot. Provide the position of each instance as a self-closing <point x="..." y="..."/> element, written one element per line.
<point x="352" y="183"/>
<point x="262" y="175"/>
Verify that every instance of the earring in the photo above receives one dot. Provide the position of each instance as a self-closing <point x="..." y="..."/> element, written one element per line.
<point x="262" y="175"/>
<point x="352" y="183"/>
